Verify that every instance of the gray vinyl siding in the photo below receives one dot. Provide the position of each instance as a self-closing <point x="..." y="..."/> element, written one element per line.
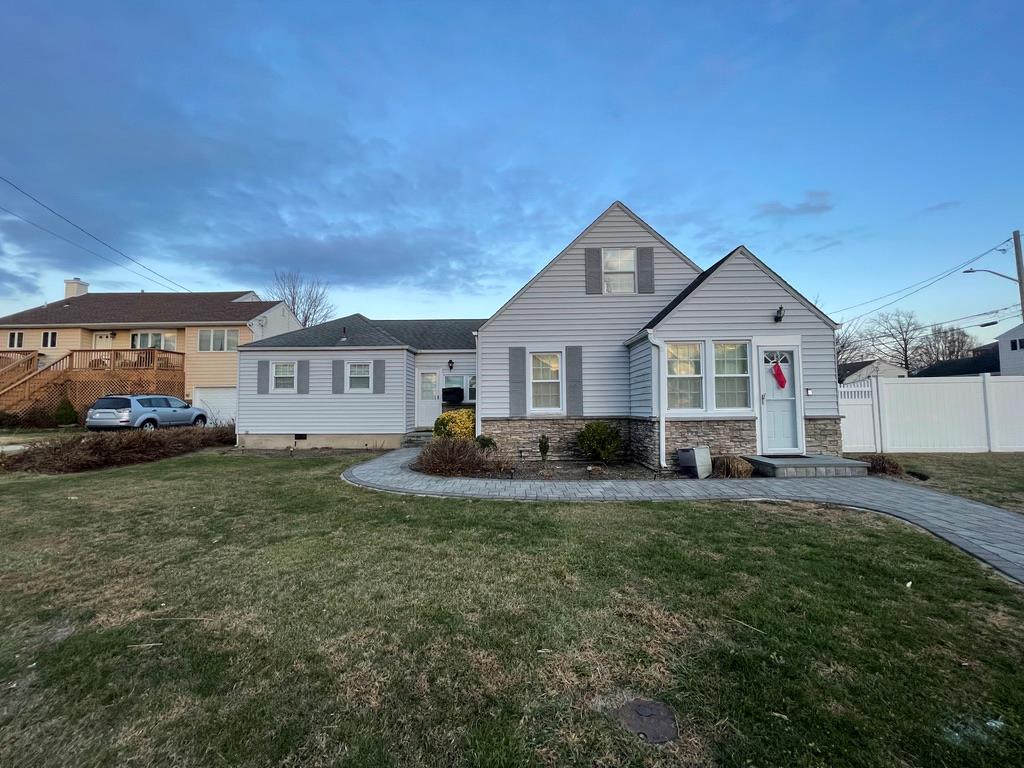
<point x="320" y="412"/>
<point x="740" y="300"/>
<point x="465" y="362"/>
<point x="555" y="312"/>
<point x="640" y="392"/>
<point x="410" y="391"/>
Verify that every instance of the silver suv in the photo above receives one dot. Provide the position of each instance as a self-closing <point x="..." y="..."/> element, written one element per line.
<point x="143" y="412"/>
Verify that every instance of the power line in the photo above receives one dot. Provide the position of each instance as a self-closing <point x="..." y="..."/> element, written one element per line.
<point x="83" y="248"/>
<point x="90" y="234"/>
<point x="978" y="315"/>
<point x="918" y="286"/>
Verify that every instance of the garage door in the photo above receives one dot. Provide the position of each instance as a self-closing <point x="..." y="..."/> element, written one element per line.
<point x="220" y="402"/>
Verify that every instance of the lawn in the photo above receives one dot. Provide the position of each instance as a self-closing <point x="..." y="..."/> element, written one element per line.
<point x="994" y="478"/>
<point x="215" y="610"/>
<point x="23" y="436"/>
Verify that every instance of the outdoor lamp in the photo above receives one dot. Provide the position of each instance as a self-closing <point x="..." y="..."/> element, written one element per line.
<point x="779" y="314"/>
<point x="451" y="364"/>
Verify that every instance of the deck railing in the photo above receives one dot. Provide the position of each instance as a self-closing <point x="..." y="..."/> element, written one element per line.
<point x="16" y="365"/>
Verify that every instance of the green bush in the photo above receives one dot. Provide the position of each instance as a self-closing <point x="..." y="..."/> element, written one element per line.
<point x="66" y="413"/>
<point x="485" y="443"/>
<point x="600" y="441"/>
<point x="457" y="423"/>
<point x="543" y="445"/>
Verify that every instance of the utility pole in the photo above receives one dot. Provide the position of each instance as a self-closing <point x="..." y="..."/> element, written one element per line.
<point x="1020" y="268"/>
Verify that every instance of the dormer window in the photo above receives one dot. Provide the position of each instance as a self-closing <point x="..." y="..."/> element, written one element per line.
<point x="618" y="267"/>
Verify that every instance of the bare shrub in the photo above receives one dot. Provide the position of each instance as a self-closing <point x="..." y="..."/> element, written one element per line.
<point x="731" y="466"/>
<point x="454" y="456"/>
<point x="881" y="464"/>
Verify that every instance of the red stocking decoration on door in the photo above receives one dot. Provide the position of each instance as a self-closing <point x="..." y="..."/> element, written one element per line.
<point x="780" y="377"/>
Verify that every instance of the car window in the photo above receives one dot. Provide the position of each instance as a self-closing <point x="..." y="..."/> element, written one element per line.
<point x="145" y="402"/>
<point x="176" y="403"/>
<point x="159" y="402"/>
<point x="112" y="402"/>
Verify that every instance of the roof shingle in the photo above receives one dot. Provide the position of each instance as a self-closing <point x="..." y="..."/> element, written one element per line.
<point x="359" y="331"/>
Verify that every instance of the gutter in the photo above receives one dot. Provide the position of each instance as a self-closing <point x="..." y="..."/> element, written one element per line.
<point x="660" y="399"/>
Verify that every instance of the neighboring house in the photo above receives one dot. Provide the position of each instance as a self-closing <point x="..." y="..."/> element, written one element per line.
<point x="1011" y="351"/>
<point x="865" y="369"/>
<point x="983" y="359"/>
<point x="620" y="326"/>
<point x="103" y="337"/>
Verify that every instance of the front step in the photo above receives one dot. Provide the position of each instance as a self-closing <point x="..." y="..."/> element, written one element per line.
<point x="819" y="465"/>
<point x="416" y="439"/>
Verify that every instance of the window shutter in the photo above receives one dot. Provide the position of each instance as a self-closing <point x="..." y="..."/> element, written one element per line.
<point x="592" y="257"/>
<point x="574" y="381"/>
<point x="262" y="377"/>
<point x="517" y="381"/>
<point x="645" y="270"/>
<point x="378" y="377"/>
<point x="337" y="377"/>
<point x="302" y="377"/>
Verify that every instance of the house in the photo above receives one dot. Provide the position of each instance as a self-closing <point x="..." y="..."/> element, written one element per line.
<point x="620" y="326"/>
<point x="1011" y="351"/>
<point x="183" y="344"/>
<point x="983" y="359"/>
<point x="865" y="369"/>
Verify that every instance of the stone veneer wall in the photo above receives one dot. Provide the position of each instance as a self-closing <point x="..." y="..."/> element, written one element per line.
<point x="518" y="437"/>
<point x="725" y="437"/>
<point x="643" y="442"/>
<point x="823" y="434"/>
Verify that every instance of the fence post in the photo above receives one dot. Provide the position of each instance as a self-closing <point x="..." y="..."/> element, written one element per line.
<point x="990" y="427"/>
<point x="878" y="425"/>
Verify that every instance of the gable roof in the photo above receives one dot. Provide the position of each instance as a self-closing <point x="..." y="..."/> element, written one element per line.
<point x="710" y="271"/>
<point x="1012" y="333"/>
<point x="143" y="308"/>
<point x="848" y="369"/>
<point x="360" y="331"/>
<point x="616" y="204"/>
<point x="984" y="360"/>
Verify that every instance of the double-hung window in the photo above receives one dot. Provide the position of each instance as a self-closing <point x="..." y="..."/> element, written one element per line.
<point x="15" y="339"/>
<point x="282" y="377"/>
<point x="358" y="377"/>
<point x="685" y="375"/>
<point x="618" y="267"/>
<point x="218" y="339"/>
<point x="546" y="381"/>
<point x="732" y="374"/>
<point x="49" y="339"/>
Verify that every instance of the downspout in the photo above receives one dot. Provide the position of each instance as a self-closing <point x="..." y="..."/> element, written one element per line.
<point x="660" y="400"/>
<point x="479" y="381"/>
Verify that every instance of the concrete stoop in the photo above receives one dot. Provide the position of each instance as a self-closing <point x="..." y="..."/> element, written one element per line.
<point x="815" y="465"/>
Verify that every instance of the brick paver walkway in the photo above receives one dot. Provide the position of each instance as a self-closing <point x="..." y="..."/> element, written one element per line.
<point x="991" y="534"/>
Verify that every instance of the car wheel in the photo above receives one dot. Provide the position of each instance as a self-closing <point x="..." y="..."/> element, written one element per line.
<point x="199" y="422"/>
<point x="149" y="426"/>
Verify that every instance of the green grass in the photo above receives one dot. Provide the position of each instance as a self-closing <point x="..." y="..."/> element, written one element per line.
<point x="298" y="620"/>
<point x="994" y="478"/>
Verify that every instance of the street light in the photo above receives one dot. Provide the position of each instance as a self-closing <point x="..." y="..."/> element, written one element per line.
<point x="972" y="270"/>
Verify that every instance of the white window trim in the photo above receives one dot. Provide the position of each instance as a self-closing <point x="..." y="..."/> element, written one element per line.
<point x="151" y="331"/>
<point x="615" y="272"/>
<point x="218" y="351"/>
<point x="52" y="336"/>
<point x="749" y="376"/>
<point x="367" y="390"/>
<point x="294" y="388"/>
<point x="703" y="377"/>
<point x="560" y="351"/>
<point x="465" y="383"/>
<point x="18" y="337"/>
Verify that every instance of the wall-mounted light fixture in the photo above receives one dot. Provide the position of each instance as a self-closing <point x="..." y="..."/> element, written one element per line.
<point x="113" y="334"/>
<point x="779" y="314"/>
<point x="451" y="364"/>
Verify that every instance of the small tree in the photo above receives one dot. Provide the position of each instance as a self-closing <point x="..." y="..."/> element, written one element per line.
<point x="66" y="413"/>
<point x="896" y="338"/>
<point x="600" y="441"/>
<point x="543" y="445"/>
<point x="306" y="297"/>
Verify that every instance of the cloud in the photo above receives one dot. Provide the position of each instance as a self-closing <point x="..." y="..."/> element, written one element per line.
<point x="815" y="202"/>
<point x="945" y="205"/>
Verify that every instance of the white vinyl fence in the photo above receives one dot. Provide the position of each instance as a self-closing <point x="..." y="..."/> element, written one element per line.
<point x="957" y="414"/>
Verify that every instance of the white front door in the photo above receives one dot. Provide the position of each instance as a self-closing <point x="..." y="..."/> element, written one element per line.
<point x="428" y="397"/>
<point x="780" y="422"/>
<point x="102" y="340"/>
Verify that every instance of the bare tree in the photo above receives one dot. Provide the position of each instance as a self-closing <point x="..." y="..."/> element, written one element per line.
<point x="306" y="297"/>
<point x="850" y="344"/>
<point x="945" y="344"/>
<point x="896" y="338"/>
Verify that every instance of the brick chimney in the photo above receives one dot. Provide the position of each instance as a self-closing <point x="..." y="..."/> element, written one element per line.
<point x="75" y="287"/>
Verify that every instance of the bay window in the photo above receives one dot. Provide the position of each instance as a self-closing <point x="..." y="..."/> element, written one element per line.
<point x="685" y="375"/>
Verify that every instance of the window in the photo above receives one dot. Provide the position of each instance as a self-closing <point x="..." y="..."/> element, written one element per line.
<point x="732" y="375"/>
<point x="176" y="403"/>
<point x="464" y="382"/>
<point x="685" y="375"/>
<point x="115" y="403"/>
<point x="218" y="339"/>
<point x="546" y="381"/>
<point x="153" y="340"/>
<point x="619" y="270"/>
<point x="15" y="339"/>
<point x="358" y="377"/>
<point x="471" y="391"/>
<point x="1013" y="344"/>
<point x="282" y="377"/>
<point x="49" y="339"/>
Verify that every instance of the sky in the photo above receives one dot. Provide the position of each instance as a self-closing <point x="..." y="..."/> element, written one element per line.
<point x="426" y="159"/>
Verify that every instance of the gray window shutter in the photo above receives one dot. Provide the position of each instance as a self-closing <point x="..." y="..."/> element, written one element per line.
<point x="262" y="377"/>
<point x="378" y="377"/>
<point x="517" y="381"/>
<point x="337" y="377"/>
<point x="302" y="377"/>
<point x="574" y="381"/>
<point x="592" y="257"/>
<point x="645" y="270"/>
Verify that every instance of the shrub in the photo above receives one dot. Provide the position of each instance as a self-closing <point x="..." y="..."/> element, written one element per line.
<point x="458" y="423"/>
<point x="543" y="445"/>
<point x="600" y="441"/>
<point x="9" y="420"/>
<point x="881" y="464"/>
<point x="486" y="443"/>
<point x="66" y="413"/>
<point x="731" y="466"/>
<point x="453" y="456"/>
<point x="114" y="449"/>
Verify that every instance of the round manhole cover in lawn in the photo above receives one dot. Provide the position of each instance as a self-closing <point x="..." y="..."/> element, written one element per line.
<point x="650" y="720"/>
